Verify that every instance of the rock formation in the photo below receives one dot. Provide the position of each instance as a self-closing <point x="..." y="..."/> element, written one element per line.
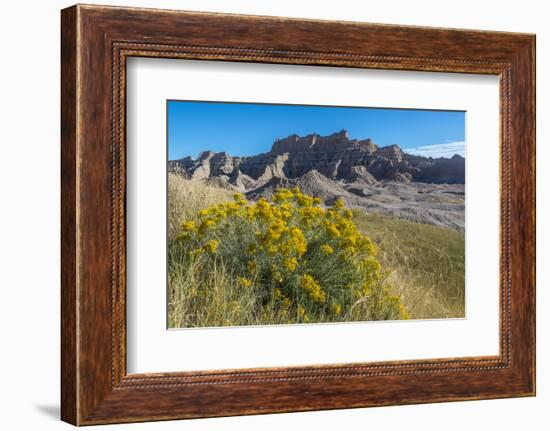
<point x="335" y="166"/>
<point x="335" y="156"/>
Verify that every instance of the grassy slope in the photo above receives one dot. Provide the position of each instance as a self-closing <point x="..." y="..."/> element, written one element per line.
<point x="187" y="198"/>
<point x="426" y="263"/>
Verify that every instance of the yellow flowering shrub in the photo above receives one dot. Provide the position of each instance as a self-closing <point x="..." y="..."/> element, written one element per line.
<point x="302" y="262"/>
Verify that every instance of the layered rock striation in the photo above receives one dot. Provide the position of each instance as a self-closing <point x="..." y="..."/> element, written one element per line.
<point x="336" y="156"/>
<point x="383" y="179"/>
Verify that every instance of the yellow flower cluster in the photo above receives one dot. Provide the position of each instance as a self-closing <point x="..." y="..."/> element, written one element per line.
<point x="339" y="224"/>
<point x="188" y="226"/>
<point x="336" y="308"/>
<point x="291" y="263"/>
<point x="308" y="283"/>
<point x="211" y="245"/>
<point x="327" y="249"/>
<point x="243" y="281"/>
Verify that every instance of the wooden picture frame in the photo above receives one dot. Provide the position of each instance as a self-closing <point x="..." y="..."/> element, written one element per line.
<point x="95" y="43"/>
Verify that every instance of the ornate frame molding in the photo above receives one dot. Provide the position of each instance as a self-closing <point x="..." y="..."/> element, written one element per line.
<point x="96" y="41"/>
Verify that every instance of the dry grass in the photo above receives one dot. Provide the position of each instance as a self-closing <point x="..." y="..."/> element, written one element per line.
<point x="186" y="198"/>
<point x="426" y="263"/>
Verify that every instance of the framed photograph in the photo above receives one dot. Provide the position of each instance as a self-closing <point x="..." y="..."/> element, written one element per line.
<point x="263" y="215"/>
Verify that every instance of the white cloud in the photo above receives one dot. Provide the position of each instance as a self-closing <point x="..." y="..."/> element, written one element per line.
<point x="440" y="150"/>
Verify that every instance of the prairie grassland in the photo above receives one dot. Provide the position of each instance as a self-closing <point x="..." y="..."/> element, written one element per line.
<point x="422" y="272"/>
<point x="426" y="263"/>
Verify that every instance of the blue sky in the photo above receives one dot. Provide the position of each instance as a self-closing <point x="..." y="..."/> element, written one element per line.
<point x="244" y="129"/>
